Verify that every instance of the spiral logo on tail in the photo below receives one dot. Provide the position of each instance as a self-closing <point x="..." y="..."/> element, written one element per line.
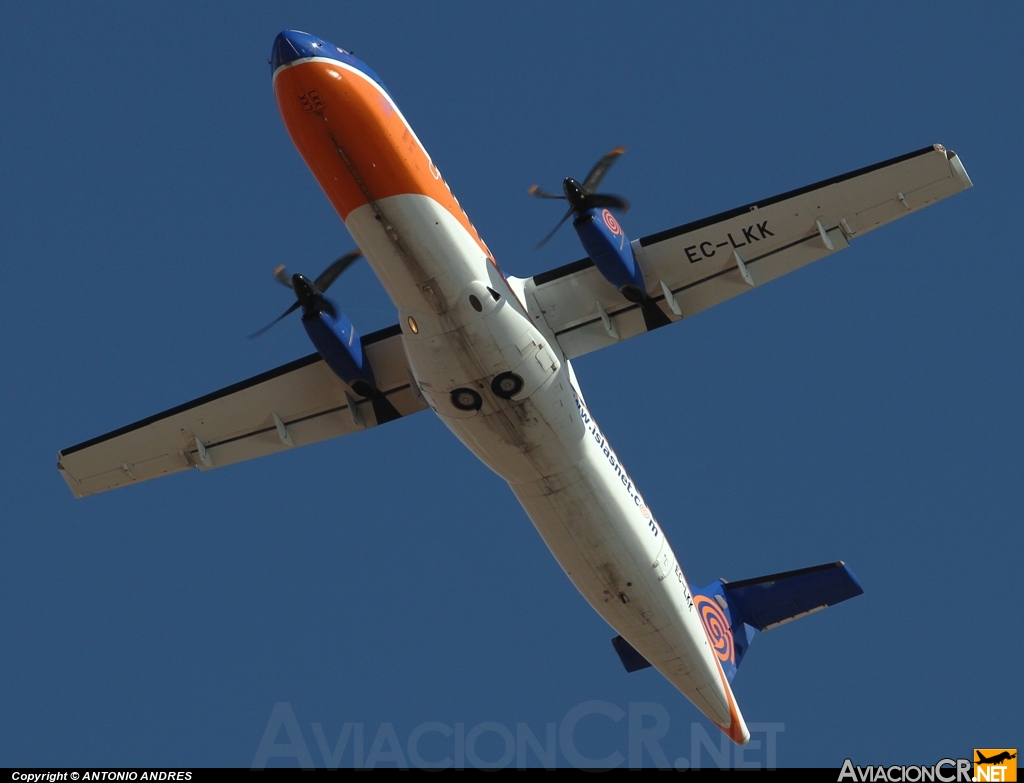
<point x="611" y="222"/>
<point x="717" y="626"/>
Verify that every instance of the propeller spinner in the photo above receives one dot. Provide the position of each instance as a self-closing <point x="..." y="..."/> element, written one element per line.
<point x="309" y="294"/>
<point x="580" y="195"/>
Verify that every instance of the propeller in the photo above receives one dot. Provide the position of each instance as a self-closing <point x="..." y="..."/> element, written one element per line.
<point x="309" y="294"/>
<point x="581" y="196"/>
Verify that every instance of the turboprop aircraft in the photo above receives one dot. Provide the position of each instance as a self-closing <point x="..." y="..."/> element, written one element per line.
<point x="491" y="356"/>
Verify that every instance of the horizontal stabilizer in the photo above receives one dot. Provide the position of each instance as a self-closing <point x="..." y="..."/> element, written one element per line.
<point x="772" y="600"/>
<point x="733" y="612"/>
<point x="631" y="659"/>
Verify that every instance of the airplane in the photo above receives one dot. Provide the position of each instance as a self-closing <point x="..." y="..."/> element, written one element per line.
<point x="996" y="759"/>
<point x="492" y="355"/>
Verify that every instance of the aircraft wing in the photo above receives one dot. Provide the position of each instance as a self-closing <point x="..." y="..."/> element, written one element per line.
<point x="694" y="266"/>
<point x="296" y="404"/>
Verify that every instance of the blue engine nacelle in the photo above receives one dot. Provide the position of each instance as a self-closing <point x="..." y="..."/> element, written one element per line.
<point x="605" y="241"/>
<point x="609" y="248"/>
<point x="338" y="342"/>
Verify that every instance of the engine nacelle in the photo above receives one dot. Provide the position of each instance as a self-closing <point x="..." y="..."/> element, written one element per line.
<point x="609" y="248"/>
<point x="338" y="342"/>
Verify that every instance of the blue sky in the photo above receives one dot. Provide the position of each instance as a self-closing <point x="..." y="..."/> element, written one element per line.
<point x="866" y="408"/>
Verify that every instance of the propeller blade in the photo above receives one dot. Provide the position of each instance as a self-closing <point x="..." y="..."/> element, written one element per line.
<point x="544" y="241"/>
<point x="607" y="200"/>
<point x="600" y="169"/>
<point x="539" y="193"/>
<point x="330" y="274"/>
<point x="287" y="312"/>
<point x="282" y="276"/>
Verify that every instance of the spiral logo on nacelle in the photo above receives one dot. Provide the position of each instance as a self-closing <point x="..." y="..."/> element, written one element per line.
<point x="717" y="626"/>
<point x="611" y="222"/>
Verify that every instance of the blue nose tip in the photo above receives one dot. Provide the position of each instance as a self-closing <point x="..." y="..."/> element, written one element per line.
<point x="294" y="45"/>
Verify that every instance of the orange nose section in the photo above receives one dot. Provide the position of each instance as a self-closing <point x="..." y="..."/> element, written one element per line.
<point x="343" y="131"/>
<point x="353" y="139"/>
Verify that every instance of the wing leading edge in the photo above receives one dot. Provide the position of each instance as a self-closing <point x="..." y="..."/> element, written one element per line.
<point x="299" y="403"/>
<point x="700" y="264"/>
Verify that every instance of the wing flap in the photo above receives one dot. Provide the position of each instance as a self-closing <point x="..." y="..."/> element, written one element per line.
<point x="703" y="263"/>
<point x="293" y="405"/>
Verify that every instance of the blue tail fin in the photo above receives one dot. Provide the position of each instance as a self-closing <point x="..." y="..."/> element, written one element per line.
<point x="733" y="612"/>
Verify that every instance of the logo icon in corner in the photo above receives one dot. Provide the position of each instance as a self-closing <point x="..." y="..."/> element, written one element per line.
<point x="717" y="626"/>
<point x="997" y="764"/>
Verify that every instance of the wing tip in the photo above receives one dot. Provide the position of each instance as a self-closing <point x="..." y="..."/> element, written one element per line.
<point x="70" y="480"/>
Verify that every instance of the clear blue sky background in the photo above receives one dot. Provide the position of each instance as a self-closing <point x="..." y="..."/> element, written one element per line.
<point x="867" y="408"/>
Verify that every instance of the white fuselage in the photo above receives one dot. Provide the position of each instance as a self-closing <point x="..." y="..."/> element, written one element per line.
<point x="463" y="323"/>
<point x="544" y="441"/>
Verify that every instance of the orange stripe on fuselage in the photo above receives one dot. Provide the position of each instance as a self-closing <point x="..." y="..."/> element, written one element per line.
<point x="326" y="106"/>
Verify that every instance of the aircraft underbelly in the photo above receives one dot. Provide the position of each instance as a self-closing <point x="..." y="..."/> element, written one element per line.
<point x="421" y="253"/>
<point x="619" y="560"/>
<point x="594" y="523"/>
<point x="542" y="441"/>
